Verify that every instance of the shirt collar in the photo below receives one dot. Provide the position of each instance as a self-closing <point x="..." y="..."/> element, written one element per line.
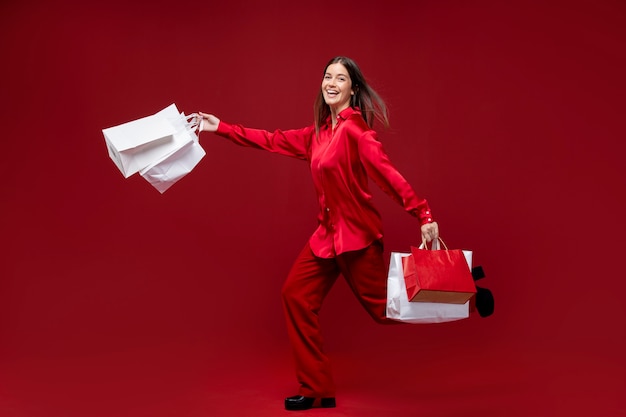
<point x="345" y="114"/>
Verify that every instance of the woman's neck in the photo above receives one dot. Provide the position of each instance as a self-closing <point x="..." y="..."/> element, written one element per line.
<point x="334" y="112"/>
<point x="333" y="117"/>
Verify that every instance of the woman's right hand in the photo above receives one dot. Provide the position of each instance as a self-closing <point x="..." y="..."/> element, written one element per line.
<point x="207" y="122"/>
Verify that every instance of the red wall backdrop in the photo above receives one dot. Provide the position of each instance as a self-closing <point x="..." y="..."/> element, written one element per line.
<point x="118" y="301"/>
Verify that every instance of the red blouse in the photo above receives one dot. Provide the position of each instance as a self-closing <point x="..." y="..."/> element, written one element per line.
<point x="341" y="161"/>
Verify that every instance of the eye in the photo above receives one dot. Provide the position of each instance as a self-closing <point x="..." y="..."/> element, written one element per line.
<point x="327" y="77"/>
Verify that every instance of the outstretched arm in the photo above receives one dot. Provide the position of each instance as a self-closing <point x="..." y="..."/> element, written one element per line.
<point x="293" y="143"/>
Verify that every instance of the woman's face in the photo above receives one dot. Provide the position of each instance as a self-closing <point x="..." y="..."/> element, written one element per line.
<point x="337" y="87"/>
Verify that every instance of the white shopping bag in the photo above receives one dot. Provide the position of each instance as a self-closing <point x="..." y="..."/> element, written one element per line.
<point x="137" y="144"/>
<point x="401" y="309"/>
<point x="167" y="171"/>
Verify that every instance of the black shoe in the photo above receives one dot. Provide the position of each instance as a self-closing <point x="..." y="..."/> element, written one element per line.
<point x="484" y="298"/>
<point x="299" y="402"/>
<point x="484" y="302"/>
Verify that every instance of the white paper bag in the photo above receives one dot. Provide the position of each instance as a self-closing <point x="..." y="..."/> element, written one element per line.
<point x="401" y="309"/>
<point x="137" y="144"/>
<point x="167" y="171"/>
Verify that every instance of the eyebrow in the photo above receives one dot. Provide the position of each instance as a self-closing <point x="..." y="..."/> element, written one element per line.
<point x="339" y="75"/>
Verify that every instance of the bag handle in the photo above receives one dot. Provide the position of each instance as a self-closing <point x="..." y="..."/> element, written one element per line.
<point x="193" y="124"/>
<point x="434" y="245"/>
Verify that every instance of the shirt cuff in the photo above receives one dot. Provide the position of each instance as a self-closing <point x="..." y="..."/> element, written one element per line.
<point x="425" y="217"/>
<point x="223" y="128"/>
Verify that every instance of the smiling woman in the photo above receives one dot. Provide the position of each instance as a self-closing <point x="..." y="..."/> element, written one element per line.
<point x="344" y="85"/>
<point x="343" y="151"/>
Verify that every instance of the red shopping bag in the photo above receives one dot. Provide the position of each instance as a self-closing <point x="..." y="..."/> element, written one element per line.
<point x="438" y="275"/>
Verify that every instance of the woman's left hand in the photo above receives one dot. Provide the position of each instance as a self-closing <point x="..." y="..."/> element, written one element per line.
<point x="430" y="231"/>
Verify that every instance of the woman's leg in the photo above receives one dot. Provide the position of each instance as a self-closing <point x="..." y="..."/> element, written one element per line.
<point x="366" y="273"/>
<point x="306" y="286"/>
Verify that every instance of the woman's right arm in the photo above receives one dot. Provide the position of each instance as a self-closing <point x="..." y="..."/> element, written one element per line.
<point x="292" y="143"/>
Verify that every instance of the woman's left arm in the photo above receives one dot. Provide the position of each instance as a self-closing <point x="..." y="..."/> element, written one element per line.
<point x="380" y="169"/>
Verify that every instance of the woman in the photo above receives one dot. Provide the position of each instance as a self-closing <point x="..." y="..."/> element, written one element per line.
<point x="343" y="152"/>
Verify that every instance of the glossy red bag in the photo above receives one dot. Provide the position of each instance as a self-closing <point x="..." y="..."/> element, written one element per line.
<point x="438" y="275"/>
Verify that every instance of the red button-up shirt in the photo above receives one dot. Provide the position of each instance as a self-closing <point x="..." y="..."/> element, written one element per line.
<point x="341" y="161"/>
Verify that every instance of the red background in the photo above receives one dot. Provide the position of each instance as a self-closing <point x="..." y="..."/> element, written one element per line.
<point x="118" y="301"/>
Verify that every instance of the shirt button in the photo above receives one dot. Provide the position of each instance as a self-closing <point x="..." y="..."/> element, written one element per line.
<point x="327" y="208"/>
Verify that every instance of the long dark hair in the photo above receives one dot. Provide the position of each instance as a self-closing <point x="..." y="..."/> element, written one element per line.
<point x="365" y="98"/>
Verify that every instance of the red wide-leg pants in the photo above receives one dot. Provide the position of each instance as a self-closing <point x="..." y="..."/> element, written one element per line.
<point x="307" y="284"/>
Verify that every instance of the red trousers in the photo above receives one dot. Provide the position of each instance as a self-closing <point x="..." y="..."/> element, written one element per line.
<point x="307" y="284"/>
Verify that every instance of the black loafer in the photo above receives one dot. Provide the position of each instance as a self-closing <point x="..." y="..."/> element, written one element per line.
<point x="299" y="402"/>
<point x="484" y="302"/>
